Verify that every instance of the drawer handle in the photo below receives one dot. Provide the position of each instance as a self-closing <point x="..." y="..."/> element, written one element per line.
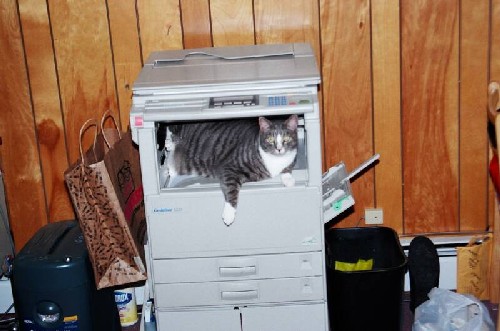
<point x="239" y="295"/>
<point x="237" y="271"/>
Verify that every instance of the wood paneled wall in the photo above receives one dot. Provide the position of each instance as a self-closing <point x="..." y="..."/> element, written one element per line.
<point x="403" y="78"/>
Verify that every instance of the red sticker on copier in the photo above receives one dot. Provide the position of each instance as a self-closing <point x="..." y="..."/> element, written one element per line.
<point x="138" y="121"/>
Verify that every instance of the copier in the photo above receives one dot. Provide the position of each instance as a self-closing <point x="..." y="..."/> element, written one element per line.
<point x="266" y="271"/>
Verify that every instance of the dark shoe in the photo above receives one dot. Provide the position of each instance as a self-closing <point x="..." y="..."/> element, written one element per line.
<point x="423" y="265"/>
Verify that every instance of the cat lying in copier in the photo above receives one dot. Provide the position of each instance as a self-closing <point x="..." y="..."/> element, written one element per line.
<point x="234" y="152"/>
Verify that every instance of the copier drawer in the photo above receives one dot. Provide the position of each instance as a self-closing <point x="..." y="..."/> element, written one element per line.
<point x="203" y="320"/>
<point x="285" y="318"/>
<point x="295" y="317"/>
<point x="188" y="223"/>
<point x="239" y="267"/>
<point x="239" y="292"/>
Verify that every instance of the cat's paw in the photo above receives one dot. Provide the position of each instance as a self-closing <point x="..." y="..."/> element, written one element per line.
<point x="228" y="214"/>
<point x="169" y="142"/>
<point x="163" y="170"/>
<point x="287" y="179"/>
<point x="169" y="145"/>
<point x="171" y="172"/>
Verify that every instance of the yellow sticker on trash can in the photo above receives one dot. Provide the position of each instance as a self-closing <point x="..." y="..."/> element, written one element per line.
<point x="361" y="265"/>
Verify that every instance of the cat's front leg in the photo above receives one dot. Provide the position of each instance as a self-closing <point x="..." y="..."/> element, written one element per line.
<point x="228" y="214"/>
<point x="230" y="185"/>
<point x="286" y="175"/>
<point x="287" y="179"/>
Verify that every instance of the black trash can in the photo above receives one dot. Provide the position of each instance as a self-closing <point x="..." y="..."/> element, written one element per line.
<point x="369" y="299"/>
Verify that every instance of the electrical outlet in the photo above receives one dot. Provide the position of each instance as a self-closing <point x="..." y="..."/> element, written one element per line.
<point x="374" y="216"/>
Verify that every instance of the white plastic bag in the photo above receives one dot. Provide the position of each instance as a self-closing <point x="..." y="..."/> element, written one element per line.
<point x="449" y="311"/>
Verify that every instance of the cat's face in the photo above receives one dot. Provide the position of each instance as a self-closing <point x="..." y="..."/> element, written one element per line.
<point x="278" y="137"/>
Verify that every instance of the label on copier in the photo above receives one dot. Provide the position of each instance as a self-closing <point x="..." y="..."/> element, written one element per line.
<point x="138" y="121"/>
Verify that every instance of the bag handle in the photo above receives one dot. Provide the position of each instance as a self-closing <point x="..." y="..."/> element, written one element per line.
<point x="88" y="124"/>
<point x="107" y="114"/>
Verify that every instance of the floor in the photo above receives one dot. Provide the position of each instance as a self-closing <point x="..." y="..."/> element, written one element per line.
<point x="407" y="315"/>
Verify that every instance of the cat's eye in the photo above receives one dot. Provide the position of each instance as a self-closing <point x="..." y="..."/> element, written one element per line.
<point x="270" y="140"/>
<point x="287" y="139"/>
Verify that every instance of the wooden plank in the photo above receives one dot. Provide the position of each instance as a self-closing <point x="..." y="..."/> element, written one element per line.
<point x="196" y="25"/>
<point x="430" y="115"/>
<point x="20" y="155"/>
<point x="83" y="55"/>
<point x="232" y="22"/>
<point x="345" y="35"/>
<point x="495" y="41"/>
<point x="46" y="106"/>
<point x="160" y="25"/>
<point x="126" y="52"/>
<point x="474" y="45"/>
<point x="387" y="111"/>
<point x="287" y="21"/>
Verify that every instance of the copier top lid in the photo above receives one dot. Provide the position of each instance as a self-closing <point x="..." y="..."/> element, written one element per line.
<point x="229" y="65"/>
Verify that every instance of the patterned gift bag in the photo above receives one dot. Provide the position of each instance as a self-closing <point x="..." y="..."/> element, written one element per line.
<point x="109" y="205"/>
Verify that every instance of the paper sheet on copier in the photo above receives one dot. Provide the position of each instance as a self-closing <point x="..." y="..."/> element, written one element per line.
<point x="337" y="194"/>
<point x="286" y="63"/>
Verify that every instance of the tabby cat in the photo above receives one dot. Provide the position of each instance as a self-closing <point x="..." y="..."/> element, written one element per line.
<point x="235" y="152"/>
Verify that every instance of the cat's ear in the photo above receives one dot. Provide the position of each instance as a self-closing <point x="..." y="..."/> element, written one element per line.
<point x="264" y="124"/>
<point x="292" y="122"/>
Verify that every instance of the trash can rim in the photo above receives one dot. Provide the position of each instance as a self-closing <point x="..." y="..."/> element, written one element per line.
<point x="373" y="228"/>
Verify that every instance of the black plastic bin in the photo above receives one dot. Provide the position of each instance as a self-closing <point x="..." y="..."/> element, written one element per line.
<point x="365" y="300"/>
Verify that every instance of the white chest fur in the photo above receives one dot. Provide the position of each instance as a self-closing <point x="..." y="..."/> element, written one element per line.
<point x="276" y="163"/>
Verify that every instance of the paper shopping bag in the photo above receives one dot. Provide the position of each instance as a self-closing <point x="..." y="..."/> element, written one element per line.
<point x="112" y="248"/>
<point x="473" y="267"/>
<point x="122" y="163"/>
